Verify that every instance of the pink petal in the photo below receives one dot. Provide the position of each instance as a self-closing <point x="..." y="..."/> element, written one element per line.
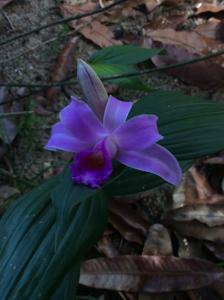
<point x="156" y="160"/>
<point x="78" y="118"/>
<point x="92" y="167"/>
<point x="116" y="113"/>
<point x="138" y="133"/>
<point x="62" y="139"/>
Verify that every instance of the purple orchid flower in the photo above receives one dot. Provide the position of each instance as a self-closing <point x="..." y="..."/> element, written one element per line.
<point x="99" y="132"/>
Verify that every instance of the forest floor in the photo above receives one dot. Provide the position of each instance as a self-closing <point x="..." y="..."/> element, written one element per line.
<point x="36" y="59"/>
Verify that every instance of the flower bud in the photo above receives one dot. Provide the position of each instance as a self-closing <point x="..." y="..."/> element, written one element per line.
<point x="92" y="88"/>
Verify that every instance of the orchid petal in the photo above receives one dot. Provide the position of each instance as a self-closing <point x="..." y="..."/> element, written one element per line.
<point x="80" y="120"/>
<point x="62" y="139"/>
<point x="92" y="167"/>
<point x="116" y="113"/>
<point x="92" y="88"/>
<point x="138" y="133"/>
<point x="155" y="159"/>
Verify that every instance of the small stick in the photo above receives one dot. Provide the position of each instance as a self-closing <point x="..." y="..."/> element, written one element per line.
<point x="15" y="114"/>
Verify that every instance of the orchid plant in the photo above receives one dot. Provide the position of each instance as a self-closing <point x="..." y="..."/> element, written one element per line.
<point x="47" y="233"/>
<point x="97" y="131"/>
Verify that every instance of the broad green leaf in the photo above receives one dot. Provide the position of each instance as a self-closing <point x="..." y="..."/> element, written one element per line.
<point x="31" y="266"/>
<point x="85" y="229"/>
<point x="107" y="70"/>
<point x="123" y="55"/>
<point x="66" y="198"/>
<point x="192" y="128"/>
<point x="23" y="229"/>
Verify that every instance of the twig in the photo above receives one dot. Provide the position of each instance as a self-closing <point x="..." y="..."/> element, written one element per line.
<point x="44" y="44"/>
<point x="133" y="74"/>
<point x="7" y="19"/>
<point x="15" y="114"/>
<point x="64" y="20"/>
<point x="41" y="45"/>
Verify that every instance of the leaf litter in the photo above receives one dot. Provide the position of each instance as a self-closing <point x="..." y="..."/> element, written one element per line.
<point x="189" y="215"/>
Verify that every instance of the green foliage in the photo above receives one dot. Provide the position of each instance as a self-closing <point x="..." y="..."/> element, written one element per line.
<point x="118" y="60"/>
<point x="124" y="55"/>
<point x="107" y="70"/>
<point x="32" y="267"/>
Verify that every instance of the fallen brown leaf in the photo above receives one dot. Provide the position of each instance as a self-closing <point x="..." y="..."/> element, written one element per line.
<point x="209" y="214"/>
<point x="203" y="188"/>
<point x="219" y="160"/>
<point x="213" y="29"/>
<point x="129" y="215"/>
<point x="65" y="64"/>
<point x="99" y="34"/>
<point x="194" y="190"/>
<point x="127" y="232"/>
<point x="197" y="230"/>
<point x="150" y="274"/>
<point x="69" y="9"/>
<point x="158" y="242"/>
<point x="92" y="28"/>
<point x="152" y="4"/>
<point x="187" y="45"/>
<point x="209" y="10"/>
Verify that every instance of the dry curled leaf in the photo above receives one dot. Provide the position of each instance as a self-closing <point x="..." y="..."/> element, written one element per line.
<point x="195" y="189"/>
<point x="150" y="274"/>
<point x="209" y="214"/>
<point x="158" y="241"/>
<point x="208" y="10"/>
<point x="128" y="215"/>
<point x="197" y="230"/>
<point x="127" y="232"/>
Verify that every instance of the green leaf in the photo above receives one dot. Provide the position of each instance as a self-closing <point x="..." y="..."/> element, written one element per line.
<point x="85" y="229"/>
<point x="31" y="266"/>
<point x="192" y="128"/>
<point x="66" y="198"/>
<point x="107" y="70"/>
<point x="123" y="55"/>
<point x="23" y="229"/>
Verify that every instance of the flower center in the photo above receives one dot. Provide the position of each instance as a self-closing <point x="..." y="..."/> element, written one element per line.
<point x="95" y="160"/>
